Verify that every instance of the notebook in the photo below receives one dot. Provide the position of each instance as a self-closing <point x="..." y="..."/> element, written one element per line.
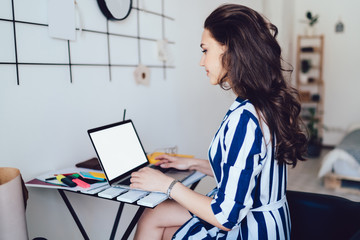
<point x="120" y="152"/>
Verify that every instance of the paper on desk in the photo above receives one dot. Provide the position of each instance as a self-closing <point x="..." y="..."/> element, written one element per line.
<point x="193" y="178"/>
<point x="153" y="155"/>
<point x="154" y="198"/>
<point x="98" y="187"/>
<point x="132" y="196"/>
<point x="40" y="180"/>
<point x="98" y="174"/>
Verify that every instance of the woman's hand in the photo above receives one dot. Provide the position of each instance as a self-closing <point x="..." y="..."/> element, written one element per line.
<point x="181" y="163"/>
<point x="168" y="161"/>
<point x="149" y="179"/>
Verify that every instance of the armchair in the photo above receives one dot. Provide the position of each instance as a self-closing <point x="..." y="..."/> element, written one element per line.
<point x="320" y="216"/>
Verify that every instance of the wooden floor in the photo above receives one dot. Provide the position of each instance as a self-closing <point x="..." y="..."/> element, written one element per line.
<point x="304" y="178"/>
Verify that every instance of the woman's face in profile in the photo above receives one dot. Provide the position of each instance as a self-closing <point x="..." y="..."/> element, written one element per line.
<point x="211" y="58"/>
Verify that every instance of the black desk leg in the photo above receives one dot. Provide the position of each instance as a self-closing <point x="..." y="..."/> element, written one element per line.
<point x="73" y="214"/>
<point x="116" y="222"/>
<point x="133" y="223"/>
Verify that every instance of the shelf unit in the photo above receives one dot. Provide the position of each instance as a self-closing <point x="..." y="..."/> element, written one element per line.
<point x="309" y="80"/>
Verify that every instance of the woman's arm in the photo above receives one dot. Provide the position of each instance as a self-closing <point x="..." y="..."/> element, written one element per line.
<point x="150" y="179"/>
<point x="168" y="161"/>
<point x="198" y="204"/>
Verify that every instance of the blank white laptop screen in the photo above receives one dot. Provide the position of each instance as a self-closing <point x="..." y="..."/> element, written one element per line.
<point x="118" y="149"/>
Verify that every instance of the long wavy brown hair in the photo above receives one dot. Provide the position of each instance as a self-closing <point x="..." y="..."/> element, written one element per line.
<point x="253" y="65"/>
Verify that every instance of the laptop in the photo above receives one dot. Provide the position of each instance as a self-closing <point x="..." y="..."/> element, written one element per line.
<point x="120" y="152"/>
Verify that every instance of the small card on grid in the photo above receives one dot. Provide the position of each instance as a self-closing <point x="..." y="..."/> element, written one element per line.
<point x="132" y="195"/>
<point x="61" y="19"/>
<point x="152" y="199"/>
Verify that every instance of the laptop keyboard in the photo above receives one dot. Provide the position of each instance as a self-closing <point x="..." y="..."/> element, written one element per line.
<point x="163" y="170"/>
<point x="126" y="181"/>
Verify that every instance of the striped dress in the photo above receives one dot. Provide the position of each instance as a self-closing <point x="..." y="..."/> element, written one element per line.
<point x="251" y="185"/>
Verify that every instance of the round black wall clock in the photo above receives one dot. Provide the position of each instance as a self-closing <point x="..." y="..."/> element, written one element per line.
<point x="115" y="9"/>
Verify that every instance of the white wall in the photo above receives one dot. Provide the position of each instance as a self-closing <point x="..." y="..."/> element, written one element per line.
<point x="280" y="13"/>
<point x="44" y="120"/>
<point x="201" y="106"/>
<point x="341" y="53"/>
<point x="342" y="101"/>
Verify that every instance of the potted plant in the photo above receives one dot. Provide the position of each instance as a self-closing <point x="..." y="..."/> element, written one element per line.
<point x="311" y="18"/>
<point x="315" y="141"/>
<point x="311" y="21"/>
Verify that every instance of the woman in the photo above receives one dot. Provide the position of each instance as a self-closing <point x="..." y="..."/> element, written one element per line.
<point x="259" y="136"/>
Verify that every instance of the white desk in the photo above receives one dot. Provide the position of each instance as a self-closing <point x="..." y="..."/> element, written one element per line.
<point x="192" y="182"/>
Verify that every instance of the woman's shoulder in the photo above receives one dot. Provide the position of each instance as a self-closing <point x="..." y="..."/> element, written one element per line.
<point x="244" y="113"/>
<point x="242" y="107"/>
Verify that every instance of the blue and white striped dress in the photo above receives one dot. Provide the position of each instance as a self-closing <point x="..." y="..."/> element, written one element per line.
<point x="251" y="185"/>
